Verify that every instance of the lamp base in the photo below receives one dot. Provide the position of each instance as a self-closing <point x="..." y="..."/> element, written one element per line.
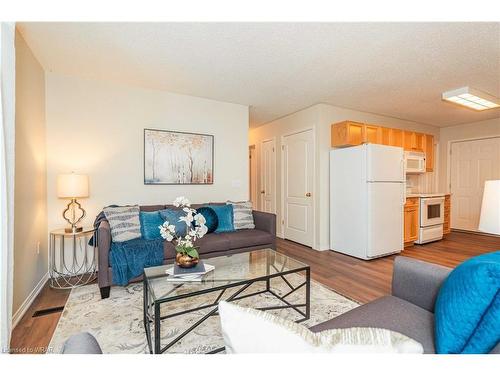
<point x="73" y="229"/>
<point x="73" y="220"/>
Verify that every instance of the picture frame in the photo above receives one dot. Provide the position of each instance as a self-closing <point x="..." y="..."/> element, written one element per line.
<point x="178" y="158"/>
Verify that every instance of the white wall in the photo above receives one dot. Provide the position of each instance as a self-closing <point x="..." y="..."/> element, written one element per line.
<point x="320" y="117"/>
<point x="30" y="230"/>
<point x="480" y="129"/>
<point x="96" y="128"/>
<point x="7" y="166"/>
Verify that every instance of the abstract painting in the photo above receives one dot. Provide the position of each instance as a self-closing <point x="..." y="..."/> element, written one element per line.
<point x="178" y="158"/>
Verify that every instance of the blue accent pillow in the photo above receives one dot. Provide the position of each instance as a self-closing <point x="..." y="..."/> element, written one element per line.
<point x="467" y="311"/>
<point x="173" y="216"/>
<point x="212" y="222"/>
<point x="225" y="216"/>
<point x="150" y="221"/>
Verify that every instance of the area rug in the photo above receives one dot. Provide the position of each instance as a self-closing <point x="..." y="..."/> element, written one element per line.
<point x="117" y="323"/>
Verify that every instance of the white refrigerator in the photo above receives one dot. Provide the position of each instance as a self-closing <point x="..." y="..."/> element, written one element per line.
<point x="367" y="197"/>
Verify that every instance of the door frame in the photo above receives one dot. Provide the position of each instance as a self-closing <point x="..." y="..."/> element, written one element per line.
<point x="448" y="166"/>
<point x="261" y="202"/>
<point x="253" y="175"/>
<point x="282" y="176"/>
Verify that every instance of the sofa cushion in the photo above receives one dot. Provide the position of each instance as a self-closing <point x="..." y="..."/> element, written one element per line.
<point x="173" y="218"/>
<point x="225" y="216"/>
<point x="209" y="243"/>
<point x="212" y="222"/>
<point x="242" y="214"/>
<point x="124" y="222"/>
<point x="390" y="313"/>
<point x="150" y="222"/>
<point x="248" y="238"/>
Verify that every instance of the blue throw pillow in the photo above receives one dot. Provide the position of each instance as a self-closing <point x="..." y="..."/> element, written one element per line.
<point x="225" y="216"/>
<point x="173" y="216"/>
<point x="467" y="311"/>
<point x="212" y="222"/>
<point x="150" y="221"/>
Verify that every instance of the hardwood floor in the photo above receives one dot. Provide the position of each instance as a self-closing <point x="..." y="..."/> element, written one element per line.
<point x="365" y="281"/>
<point x="360" y="280"/>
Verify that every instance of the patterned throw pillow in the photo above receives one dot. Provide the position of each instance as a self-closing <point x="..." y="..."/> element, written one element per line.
<point x="243" y="217"/>
<point x="124" y="222"/>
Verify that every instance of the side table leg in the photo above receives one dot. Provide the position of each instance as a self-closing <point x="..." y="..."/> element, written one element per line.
<point x="308" y="293"/>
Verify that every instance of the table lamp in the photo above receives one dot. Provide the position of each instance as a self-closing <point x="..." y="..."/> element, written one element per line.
<point x="490" y="209"/>
<point x="72" y="186"/>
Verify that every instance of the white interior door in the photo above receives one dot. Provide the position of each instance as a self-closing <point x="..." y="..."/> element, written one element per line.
<point x="472" y="163"/>
<point x="298" y="168"/>
<point x="268" y="176"/>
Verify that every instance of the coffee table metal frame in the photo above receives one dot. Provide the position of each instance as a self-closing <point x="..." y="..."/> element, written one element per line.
<point x="152" y="308"/>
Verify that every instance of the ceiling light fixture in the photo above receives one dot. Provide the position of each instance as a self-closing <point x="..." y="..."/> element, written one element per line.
<point x="471" y="98"/>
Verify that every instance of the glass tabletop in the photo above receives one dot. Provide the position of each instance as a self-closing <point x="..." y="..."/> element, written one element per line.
<point x="229" y="270"/>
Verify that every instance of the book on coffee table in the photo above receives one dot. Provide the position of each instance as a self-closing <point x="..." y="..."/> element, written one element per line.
<point x="196" y="273"/>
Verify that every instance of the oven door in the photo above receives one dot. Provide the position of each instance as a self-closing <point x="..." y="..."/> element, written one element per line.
<point x="431" y="211"/>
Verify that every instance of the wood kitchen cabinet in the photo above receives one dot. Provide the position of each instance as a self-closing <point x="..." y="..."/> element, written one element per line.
<point x="373" y="134"/>
<point x="429" y="152"/>
<point x="411" y="221"/>
<point x="347" y="133"/>
<point x="385" y="136"/>
<point x="413" y="141"/>
<point x="396" y="138"/>
<point x="352" y="133"/>
<point x="447" y="214"/>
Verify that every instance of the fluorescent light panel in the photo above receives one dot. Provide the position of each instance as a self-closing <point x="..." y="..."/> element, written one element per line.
<point x="471" y="98"/>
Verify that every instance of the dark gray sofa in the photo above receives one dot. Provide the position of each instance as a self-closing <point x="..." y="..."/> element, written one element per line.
<point x="211" y="245"/>
<point x="410" y="308"/>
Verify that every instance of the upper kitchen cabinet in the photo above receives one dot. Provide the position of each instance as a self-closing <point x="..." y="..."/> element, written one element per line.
<point x="413" y="141"/>
<point x="385" y="136"/>
<point x="396" y="138"/>
<point x="351" y="133"/>
<point x="347" y="133"/>
<point x="373" y="134"/>
<point x="429" y="152"/>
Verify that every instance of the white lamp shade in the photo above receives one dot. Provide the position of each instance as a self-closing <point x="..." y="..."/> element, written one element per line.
<point x="72" y="185"/>
<point x="490" y="209"/>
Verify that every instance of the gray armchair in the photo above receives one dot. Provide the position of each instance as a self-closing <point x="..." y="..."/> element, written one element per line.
<point x="410" y="308"/>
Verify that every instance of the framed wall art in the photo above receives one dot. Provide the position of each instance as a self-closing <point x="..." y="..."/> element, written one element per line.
<point x="177" y="158"/>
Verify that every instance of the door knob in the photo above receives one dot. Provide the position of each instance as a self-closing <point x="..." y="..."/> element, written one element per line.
<point x="308" y="194"/>
<point x="262" y="191"/>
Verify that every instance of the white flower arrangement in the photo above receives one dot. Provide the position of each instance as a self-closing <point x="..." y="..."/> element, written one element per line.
<point x="195" y="225"/>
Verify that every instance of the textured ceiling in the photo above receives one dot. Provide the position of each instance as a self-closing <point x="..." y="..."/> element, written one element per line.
<point x="393" y="69"/>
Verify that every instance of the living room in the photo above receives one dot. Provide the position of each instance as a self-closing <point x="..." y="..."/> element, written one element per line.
<point x="353" y="196"/>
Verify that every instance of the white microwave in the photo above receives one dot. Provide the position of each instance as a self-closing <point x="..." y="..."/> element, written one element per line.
<point x="414" y="162"/>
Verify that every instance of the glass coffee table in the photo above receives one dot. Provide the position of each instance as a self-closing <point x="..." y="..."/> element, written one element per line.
<point x="237" y="272"/>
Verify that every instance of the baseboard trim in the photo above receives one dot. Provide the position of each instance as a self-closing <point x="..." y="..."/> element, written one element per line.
<point x="16" y="318"/>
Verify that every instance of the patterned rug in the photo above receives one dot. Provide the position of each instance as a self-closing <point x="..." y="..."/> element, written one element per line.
<point x="117" y="322"/>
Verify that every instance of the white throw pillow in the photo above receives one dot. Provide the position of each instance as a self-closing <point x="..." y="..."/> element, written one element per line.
<point x="242" y="215"/>
<point x="248" y="330"/>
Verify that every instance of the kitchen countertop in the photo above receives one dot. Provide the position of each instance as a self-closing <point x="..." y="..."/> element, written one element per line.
<point x="425" y="195"/>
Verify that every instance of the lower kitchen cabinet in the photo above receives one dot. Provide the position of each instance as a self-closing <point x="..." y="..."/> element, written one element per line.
<point x="447" y="214"/>
<point x="411" y="221"/>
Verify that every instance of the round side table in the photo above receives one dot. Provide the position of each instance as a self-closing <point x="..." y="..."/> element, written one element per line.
<point x="76" y="266"/>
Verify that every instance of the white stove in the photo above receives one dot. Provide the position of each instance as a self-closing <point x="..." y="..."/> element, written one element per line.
<point x="431" y="216"/>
